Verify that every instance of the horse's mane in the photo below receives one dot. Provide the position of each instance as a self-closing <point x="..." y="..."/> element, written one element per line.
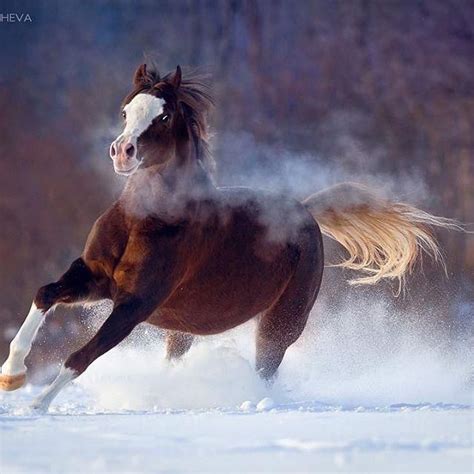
<point x="194" y="93"/>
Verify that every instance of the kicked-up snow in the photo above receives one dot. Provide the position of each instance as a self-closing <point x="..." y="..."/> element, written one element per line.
<point x="355" y="394"/>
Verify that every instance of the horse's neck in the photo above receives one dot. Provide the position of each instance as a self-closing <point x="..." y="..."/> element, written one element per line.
<point x="166" y="192"/>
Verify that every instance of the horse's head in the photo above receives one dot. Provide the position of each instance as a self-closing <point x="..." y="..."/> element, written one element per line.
<point x="158" y="114"/>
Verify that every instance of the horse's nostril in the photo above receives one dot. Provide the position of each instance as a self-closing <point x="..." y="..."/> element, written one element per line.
<point x="130" y="150"/>
<point x="113" y="152"/>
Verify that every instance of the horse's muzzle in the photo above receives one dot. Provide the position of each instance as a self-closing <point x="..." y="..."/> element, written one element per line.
<point x="123" y="152"/>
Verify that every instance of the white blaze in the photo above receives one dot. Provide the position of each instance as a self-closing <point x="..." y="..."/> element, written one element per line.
<point x="140" y="113"/>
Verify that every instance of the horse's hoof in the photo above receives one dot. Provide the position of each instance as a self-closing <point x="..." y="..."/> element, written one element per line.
<point x="39" y="407"/>
<point x="11" y="382"/>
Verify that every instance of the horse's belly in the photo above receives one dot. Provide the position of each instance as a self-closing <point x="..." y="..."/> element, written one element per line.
<point x="213" y="304"/>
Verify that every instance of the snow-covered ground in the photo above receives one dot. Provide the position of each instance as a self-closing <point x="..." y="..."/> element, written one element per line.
<point x="355" y="394"/>
<point x="306" y="437"/>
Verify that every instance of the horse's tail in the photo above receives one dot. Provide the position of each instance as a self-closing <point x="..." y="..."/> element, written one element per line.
<point x="383" y="239"/>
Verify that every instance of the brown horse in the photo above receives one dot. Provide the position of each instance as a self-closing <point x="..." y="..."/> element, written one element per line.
<point x="194" y="259"/>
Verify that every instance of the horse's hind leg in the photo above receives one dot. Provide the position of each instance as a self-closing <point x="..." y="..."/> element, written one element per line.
<point x="282" y="324"/>
<point x="177" y="344"/>
<point x="277" y="329"/>
<point x="73" y="286"/>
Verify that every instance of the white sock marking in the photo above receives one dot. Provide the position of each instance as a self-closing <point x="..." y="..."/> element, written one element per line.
<point x="47" y="396"/>
<point x="21" y="344"/>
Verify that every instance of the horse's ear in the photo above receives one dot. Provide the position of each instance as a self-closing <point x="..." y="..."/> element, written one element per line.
<point x="140" y="77"/>
<point x="176" y="80"/>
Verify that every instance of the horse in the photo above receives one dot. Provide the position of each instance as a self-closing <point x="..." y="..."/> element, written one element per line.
<point x="178" y="252"/>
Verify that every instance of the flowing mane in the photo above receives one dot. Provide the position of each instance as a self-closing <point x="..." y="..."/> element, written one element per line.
<point x="195" y="95"/>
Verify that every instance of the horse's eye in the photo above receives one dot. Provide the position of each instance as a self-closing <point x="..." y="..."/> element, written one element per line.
<point x="165" y="118"/>
<point x="124" y="114"/>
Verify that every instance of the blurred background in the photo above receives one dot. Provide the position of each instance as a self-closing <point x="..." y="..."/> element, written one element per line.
<point x="308" y="94"/>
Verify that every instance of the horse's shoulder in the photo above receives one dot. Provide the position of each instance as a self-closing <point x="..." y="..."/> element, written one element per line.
<point x="156" y="226"/>
<point x="108" y="234"/>
<point x="113" y="217"/>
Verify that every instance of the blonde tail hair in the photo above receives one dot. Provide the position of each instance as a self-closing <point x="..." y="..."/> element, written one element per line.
<point x="383" y="239"/>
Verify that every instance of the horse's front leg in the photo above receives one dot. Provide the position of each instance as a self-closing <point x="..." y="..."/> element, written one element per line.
<point x="76" y="284"/>
<point x="128" y="312"/>
<point x="142" y="280"/>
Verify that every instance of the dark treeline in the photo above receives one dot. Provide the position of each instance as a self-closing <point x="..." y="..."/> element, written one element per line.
<point x="382" y="89"/>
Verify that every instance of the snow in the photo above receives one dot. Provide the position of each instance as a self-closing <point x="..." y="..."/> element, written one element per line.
<point x="265" y="404"/>
<point x="304" y="437"/>
<point x="351" y="396"/>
